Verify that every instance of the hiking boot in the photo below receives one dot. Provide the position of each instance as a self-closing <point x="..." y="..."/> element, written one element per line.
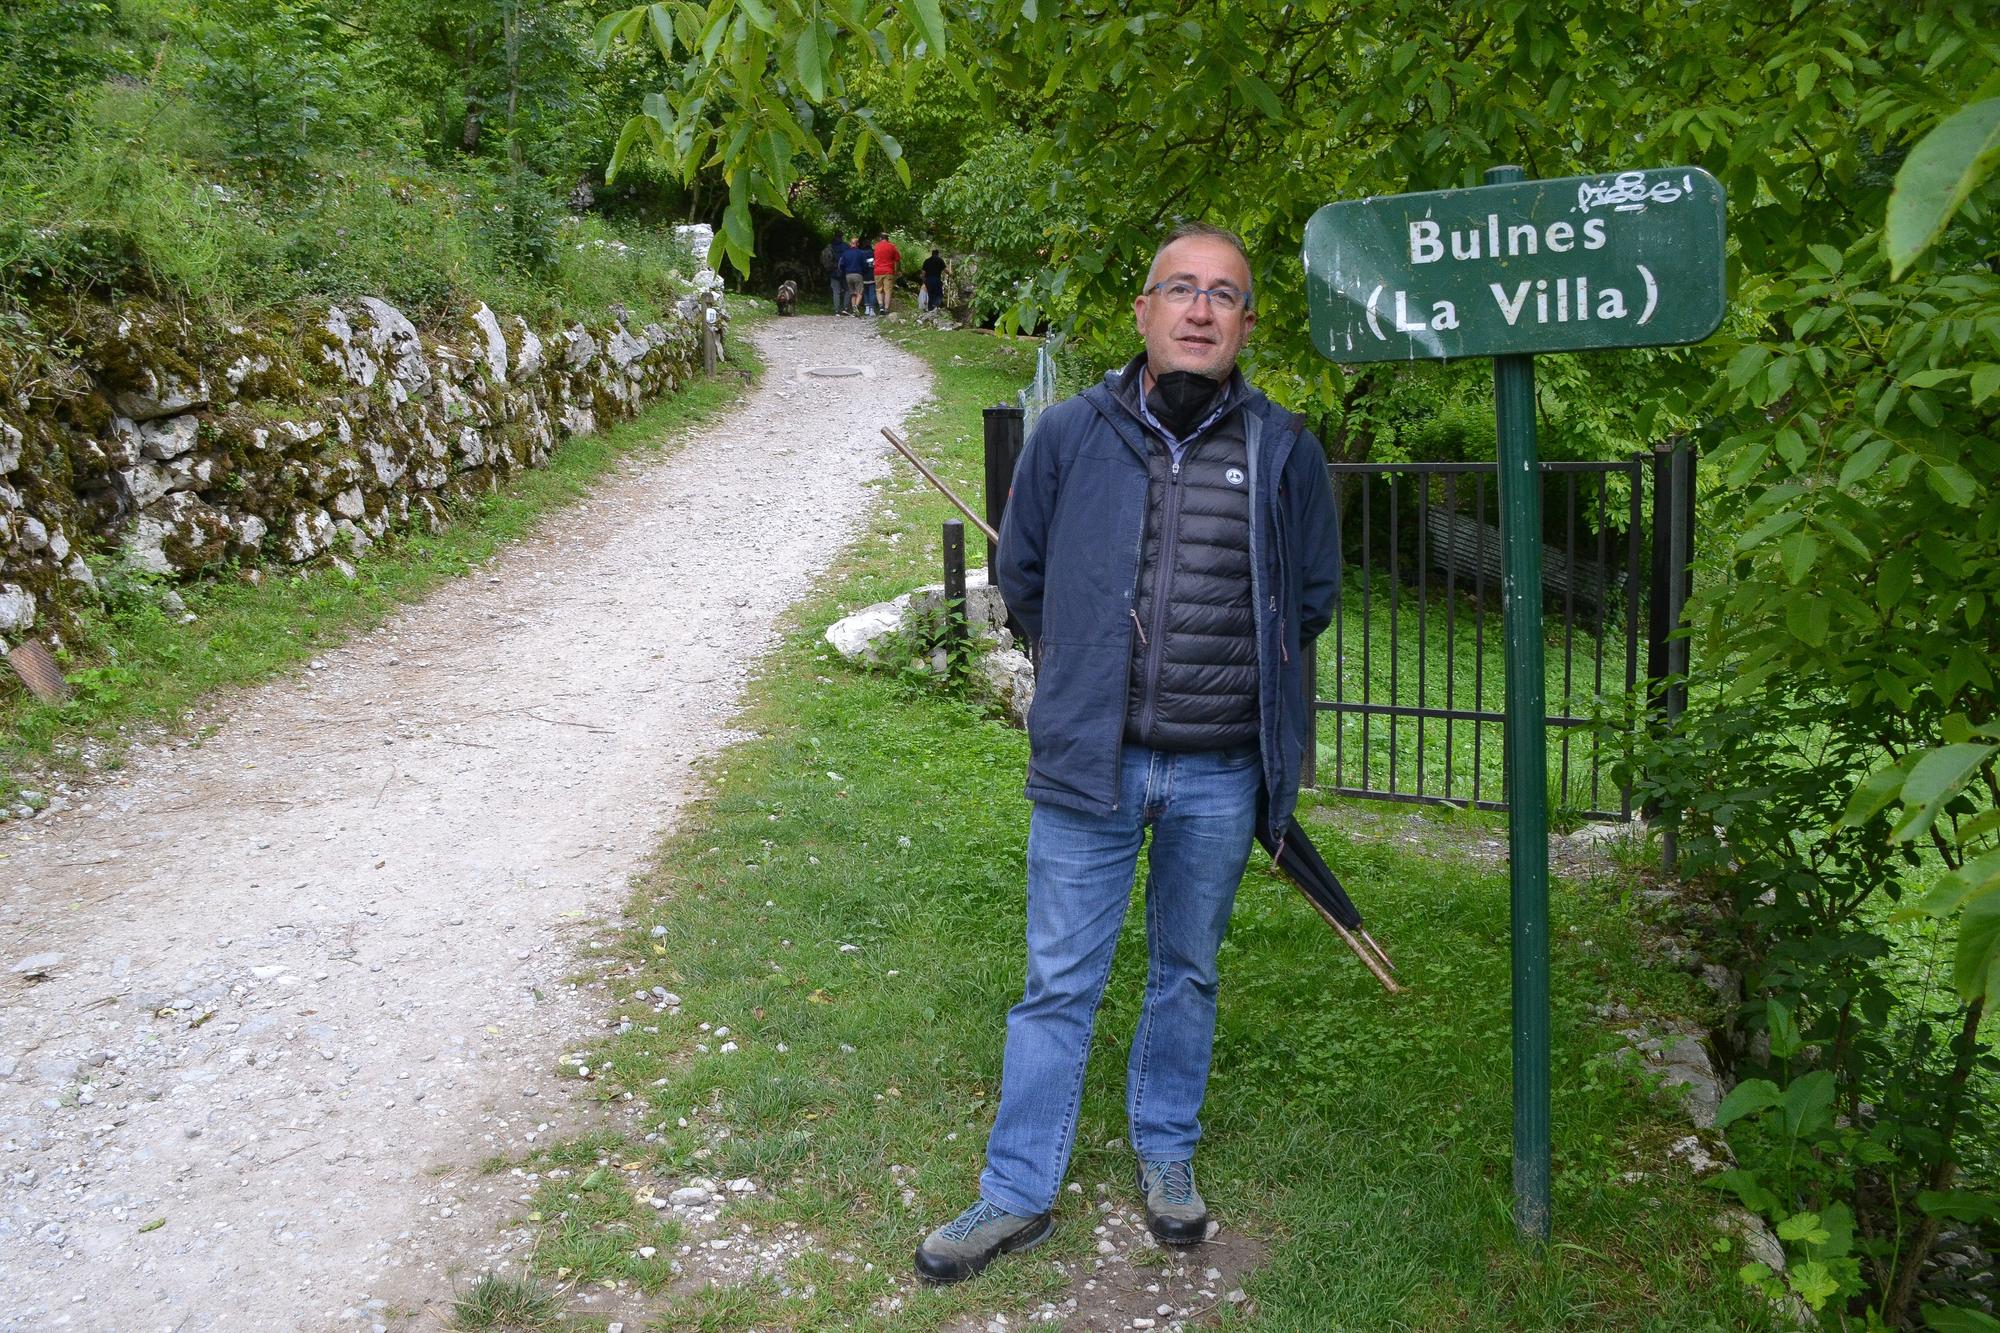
<point x="1174" y="1210"/>
<point x="974" y="1239"/>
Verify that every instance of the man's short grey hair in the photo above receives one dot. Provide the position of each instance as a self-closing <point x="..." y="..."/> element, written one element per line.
<point x="1212" y="232"/>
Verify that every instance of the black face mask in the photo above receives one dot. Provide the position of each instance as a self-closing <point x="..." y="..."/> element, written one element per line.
<point x="1182" y="399"/>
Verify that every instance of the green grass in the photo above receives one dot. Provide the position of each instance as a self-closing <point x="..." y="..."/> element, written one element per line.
<point x="1365" y="1138"/>
<point x="506" y="1303"/>
<point x="137" y="667"/>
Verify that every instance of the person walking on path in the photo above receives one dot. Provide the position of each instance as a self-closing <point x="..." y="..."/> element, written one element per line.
<point x="934" y="279"/>
<point x="1170" y="542"/>
<point x="853" y="272"/>
<point x="887" y="257"/>
<point x="829" y="265"/>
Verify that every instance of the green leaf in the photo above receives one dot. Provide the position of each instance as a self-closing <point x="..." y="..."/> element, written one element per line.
<point x="1985" y="381"/>
<point x="1747" y="363"/>
<point x="662" y="22"/>
<point x="930" y="21"/>
<point x="1940" y="1320"/>
<point x="607" y="30"/>
<point x="1801" y="1227"/>
<point x="1941" y="171"/>
<point x="1934" y="779"/>
<point x="1955" y="889"/>
<point x="1960" y="1205"/>
<point x="628" y="138"/>
<point x="1808" y="1105"/>
<point x="1770" y="526"/>
<point x="808" y="58"/>
<point x="1746" y="1187"/>
<point x="1975" y="970"/>
<point x="1876" y="791"/>
<point x="759" y="14"/>
<point x="1808" y="618"/>
<point x="1813" y="1282"/>
<point x="1797" y="554"/>
<point x="1785" y="1039"/>
<point x="1258" y="93"/>
<point x="1863" y="462"/>
<point x="1953" y="483"/>
<point x="1746" y="1098"/>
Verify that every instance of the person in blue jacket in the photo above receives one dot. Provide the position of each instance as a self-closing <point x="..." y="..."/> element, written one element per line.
<point x="855" y="262"/>
<point x="1170" y="543"/>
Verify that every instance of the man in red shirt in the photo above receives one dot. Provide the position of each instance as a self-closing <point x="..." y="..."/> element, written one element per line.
<point x="887" y="256"/>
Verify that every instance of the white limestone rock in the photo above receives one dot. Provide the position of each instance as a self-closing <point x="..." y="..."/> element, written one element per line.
<point x="528" y="360"/>
<point x="1009" y="678"/>
<point x="310" y="534"/>
<point x="395" y="339"/>
<point x="17" y="608"/>
<point x="178" y="534"/>
<point x="352" y="361"/>
<point x="492" y="342"/>
<point x="857" y="637"/>
<point x="168" y="438"/>
<point x="579" y="348"/>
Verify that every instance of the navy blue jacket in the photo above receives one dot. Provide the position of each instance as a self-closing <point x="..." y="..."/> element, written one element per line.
<point x="857" y="259"/>
<point x="1069" y="570"/>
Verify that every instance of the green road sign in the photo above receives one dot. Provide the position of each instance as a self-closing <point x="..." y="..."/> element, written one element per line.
<point x="1630" y="259"/>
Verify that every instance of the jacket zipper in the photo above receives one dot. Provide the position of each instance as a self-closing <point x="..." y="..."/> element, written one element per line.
<point x="1170" y="521"/>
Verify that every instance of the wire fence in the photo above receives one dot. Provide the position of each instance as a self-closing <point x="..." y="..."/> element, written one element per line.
<point x="1041" y="391"/>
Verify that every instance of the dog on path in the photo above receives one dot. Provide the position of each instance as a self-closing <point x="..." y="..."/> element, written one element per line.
<point x="788" y="297"/>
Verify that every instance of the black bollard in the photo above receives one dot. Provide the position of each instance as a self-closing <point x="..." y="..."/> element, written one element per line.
<point x="955" y="633"/>
<point x="1003" y="451"/>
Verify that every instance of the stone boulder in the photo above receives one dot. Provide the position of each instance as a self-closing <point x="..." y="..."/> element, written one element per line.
<point x="1000" y="672"/>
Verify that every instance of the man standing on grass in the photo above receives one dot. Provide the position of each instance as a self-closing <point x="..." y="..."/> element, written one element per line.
<point x="1170" y="542"/>
<point x="887" y="257"/>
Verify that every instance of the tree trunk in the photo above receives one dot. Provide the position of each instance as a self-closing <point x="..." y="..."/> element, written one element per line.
<point x="1909" y="1264"/>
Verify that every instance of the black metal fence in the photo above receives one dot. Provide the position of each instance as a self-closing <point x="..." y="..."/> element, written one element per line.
<point x="1411" y="702"/>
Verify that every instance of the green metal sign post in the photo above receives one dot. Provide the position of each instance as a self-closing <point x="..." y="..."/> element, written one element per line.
<point x="1633" y="259"/>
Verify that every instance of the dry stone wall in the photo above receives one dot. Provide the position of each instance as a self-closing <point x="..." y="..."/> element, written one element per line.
<point x="181" y="448"/>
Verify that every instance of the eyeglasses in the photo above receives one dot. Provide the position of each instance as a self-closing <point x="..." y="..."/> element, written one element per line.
<point x="1226" y="300"/>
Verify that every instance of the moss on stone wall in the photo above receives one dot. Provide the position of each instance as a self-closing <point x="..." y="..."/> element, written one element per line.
<point x="131" y="431"/>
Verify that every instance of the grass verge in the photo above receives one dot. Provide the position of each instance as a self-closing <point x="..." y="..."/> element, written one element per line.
<point x="143" y="664"/>
<point x="848" y="902"/>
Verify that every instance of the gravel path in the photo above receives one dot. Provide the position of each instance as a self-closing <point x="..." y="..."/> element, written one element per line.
<point x="261" y="994"/>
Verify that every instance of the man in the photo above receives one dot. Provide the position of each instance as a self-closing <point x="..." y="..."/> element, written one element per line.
<point x="829" y="264"/>
<point x="1170" y="542"/>
<point x="853" y="271"/>
<point x="887" y="257"/>
<point x="934" y="279"/>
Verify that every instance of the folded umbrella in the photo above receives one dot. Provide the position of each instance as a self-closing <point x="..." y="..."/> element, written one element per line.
<point x="1295" y="857"/>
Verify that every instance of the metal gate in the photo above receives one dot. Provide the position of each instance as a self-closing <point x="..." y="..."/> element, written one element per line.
<point x="1410" y="701"/>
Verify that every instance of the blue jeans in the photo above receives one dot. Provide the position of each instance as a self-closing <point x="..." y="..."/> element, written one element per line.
<point x="1202" y="809"/>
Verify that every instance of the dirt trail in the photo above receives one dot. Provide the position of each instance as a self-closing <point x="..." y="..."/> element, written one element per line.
<point x="313" y="961"/>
